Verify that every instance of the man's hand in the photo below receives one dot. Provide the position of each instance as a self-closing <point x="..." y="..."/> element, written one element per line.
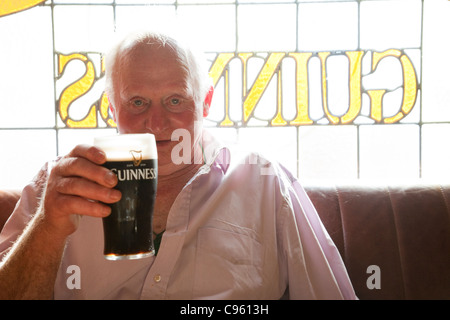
<point x="78" y="185"/>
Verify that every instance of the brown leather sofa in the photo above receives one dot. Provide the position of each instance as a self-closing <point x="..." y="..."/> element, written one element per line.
<point x="402" y="230"/>
<point x="395" y="240"/>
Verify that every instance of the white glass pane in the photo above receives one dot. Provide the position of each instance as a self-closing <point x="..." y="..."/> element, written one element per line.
<point x="217" y="109"/>
<point x="212" y="28"/>
<point x="289" y="95"/>
<point x="436" y="64"/>
<point x="390" y="24"/>
<point x="337" y="68"/>
<point x="148" y="2"/>
<point x="69" y="138"/>
<point x="387" y="75"/>
<point x="435" y="152"/>
<point x="82" y="1"/>
<point x="24" y="152"/>
<point x="26" y="69"/>
<point x="328" y="26"/>
<point x="325" y="0"/>
<point x="131" y="18"/>
<point x="227" y="136"/>
<point x="263" y="1"/>
<point x="205" y="1"/>
<point x="279" y="144"/>
<point x="328" y="153"/>
<point x="266" y="27"/>
<point x="389" y="152"/>
<point x="83" y="28"/>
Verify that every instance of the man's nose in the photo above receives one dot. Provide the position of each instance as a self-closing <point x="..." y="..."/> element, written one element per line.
<point x="156" y="119"/>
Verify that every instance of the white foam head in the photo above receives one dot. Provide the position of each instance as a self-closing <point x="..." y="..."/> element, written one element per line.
<point x="119" y="147"/>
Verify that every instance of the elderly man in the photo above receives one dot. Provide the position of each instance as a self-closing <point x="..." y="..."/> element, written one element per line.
<point x="233" y="228"/>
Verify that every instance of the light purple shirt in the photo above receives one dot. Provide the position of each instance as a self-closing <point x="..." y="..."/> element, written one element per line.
<point x="240" y="229"/>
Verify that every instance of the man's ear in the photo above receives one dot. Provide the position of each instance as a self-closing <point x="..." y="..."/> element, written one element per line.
<point x="207" y="102"/>
<point x="113" y="112"/>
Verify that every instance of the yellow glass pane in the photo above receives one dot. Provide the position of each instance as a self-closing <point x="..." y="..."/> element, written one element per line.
<point x="76" y="90"/>
<point x="409" y="82"/>
<point x="218" y="67"/>
<point x="104" y="111"/>
<point x="261" y="83"/>
<point x="376" y="97"/>
<point x="10" y="6"/>
<point x="278" y="120"/>
<point x="227" y="121"/>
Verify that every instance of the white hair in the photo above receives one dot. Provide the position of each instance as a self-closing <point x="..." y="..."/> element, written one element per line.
<point x="191" y="60"/>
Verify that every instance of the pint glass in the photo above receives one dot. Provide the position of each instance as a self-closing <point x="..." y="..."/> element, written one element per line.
<point x="128" y="230"/>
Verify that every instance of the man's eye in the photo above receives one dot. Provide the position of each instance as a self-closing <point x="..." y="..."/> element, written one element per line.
<point x="138" y="102"/>
<point x="174" y="101"/>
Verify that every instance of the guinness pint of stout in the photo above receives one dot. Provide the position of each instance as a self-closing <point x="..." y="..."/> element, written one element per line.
<point x="128" y="230"/>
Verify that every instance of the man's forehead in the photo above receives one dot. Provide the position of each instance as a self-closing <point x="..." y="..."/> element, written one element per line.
<point x="154" y="64"/>
<point x="161" y="75"/>
<point x="149" y="50"/>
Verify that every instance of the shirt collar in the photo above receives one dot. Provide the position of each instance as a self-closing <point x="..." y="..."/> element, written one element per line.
<point x="215" y="152"/>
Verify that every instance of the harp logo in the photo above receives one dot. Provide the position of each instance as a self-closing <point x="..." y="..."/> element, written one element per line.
<point x="137" y="157"/>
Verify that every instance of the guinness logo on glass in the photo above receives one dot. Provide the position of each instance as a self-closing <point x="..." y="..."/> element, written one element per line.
<point x="137" y="157"/>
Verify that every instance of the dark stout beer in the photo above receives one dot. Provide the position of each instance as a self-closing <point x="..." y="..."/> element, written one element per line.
<point x="128" y="230"/>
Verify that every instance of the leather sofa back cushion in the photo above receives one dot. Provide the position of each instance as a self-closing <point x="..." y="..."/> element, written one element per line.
<point x="405" y="231"/>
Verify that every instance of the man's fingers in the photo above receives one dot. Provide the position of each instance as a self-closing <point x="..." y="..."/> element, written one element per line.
<point x="82" y="167"/>
<point x="87" y="189"/>
<point x="89" y="152"/>
<point x="68" y="204"/>
<point x="78" y="185"/>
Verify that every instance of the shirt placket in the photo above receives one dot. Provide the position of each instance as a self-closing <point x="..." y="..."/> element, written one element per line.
<point x="157" y="280"/>
<point x="158" y="277"/>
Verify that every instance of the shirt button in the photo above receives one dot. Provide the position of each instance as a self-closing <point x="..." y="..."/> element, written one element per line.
<point x="157" y="278"/>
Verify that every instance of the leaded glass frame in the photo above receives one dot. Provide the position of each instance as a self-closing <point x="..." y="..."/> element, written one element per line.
<point x="336" y="90"/>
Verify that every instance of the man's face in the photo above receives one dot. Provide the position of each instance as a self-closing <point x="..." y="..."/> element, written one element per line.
<point x="152" y="94"/>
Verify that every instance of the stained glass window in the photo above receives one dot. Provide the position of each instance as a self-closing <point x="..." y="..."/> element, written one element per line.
<point x="335" y="89"/>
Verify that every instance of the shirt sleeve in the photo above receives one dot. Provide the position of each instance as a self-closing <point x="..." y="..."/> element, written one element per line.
<point x="313" y="261"/>
<point x="24" y="211"/>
